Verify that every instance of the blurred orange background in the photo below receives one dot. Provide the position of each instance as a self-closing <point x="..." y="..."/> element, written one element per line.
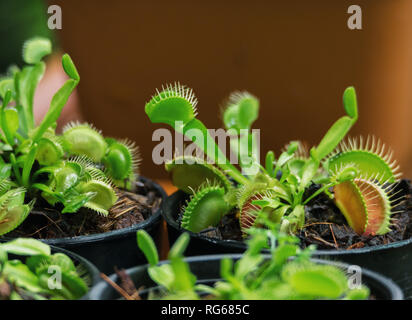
<point x="297" y="56"/>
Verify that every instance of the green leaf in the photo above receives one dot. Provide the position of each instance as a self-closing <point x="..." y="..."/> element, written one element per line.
<point x="184" y="280"/>
<point x="26" y="246"/>
<point x="309" y="170"/>
<point x="63" y="261"/>
<point x="28" y="165"/>
<point x="105" y="197"/>
<point x="73" y="287"/>
<point x="35" y="49"/>
<point x="248" y="110"/>
<point x="205" y="208"/>
<point x="340" y="128"/>
<point x="118" y="160"/>
<point x="70" y="68"/>
<point x="361" y="293"/>
<point x="73" y="202"/>
<point x="270" y="158"/>
<point x="84" y="140"/>
<point x="26" y="84"/>
<point x="38" y="262"/>
<point x="49" y="151"/>
<point x="226" y="267"/>
<point x="367" y="163"/>
<point x="12" y="118"/>
<point x="316" y="281"/>
<point x="163" y="275"/>
<point x="67" y="176"/>
<point x="56" y="107"/>
<point x="8" y="132"/>
<point x="332" y="138"/>
<point x="179" y="246"/>
<point x="241" y="111"/>
<point x="147" y="245"/>
<point x="5" y="85"/>
<point x="175" y="103"/>
<point x="11" y="218"/>
<point x="189" y="173"/>
<point x="350" y="103"/>
<point x="18" y="273"/>
<point x="247" y="264"/>
<point x="3" y="257"/>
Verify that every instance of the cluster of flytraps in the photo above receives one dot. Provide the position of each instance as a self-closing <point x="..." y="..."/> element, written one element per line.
<point x="361" y="173"/>
<point x="79" y="168"/>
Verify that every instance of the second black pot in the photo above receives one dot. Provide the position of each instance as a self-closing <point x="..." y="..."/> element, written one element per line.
<point x="393" y="260"/>
<point x="207" y="271"/>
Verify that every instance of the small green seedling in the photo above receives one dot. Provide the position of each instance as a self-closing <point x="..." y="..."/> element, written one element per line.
<point x="286" y="274"/>
<point x="35" y="278"/>
<point x="361" y="172"/>
<point x="79" y="168"/>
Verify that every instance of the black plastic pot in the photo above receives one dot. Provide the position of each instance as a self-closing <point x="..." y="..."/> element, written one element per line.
<point x="207" y="270"/>
<point x="91" y="274"/>
<point x="114" y="248"/>
<point x="392" y="260"/>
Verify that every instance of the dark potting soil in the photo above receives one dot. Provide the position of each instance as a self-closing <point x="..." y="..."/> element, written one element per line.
<point x="45" y="222"/>
<point x="326" y="227"/>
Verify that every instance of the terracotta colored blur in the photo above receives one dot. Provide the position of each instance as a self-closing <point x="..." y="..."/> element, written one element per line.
<point x="296" y="56"/>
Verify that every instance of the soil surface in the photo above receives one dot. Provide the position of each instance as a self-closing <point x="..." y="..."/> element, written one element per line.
<point x="45" y="222"/>
<point x="327" y="228"/>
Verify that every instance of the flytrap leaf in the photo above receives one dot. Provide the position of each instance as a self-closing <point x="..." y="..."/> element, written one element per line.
<point x="35" y="49"/>
<point x="12" y="210"/>
<point x="104" y="198"/>
<point x="365" y="204"/>
<point x="84" y="139"/>
<point x="241" y="110"/>
<point x="350" y="102"/>
<point x="26" y="247"/>
<point x="49" y="151"/>
<point x="6" y="84"/>
<point x="316" y="280"/>
<point x="26" y="83"/>
<point x="121" y="159"/>
<point x="370" y="156"/>
<point x="56" y="106"/>
<point x="189" y="173"/>
<point x="205" y="208"/>
<point x="340" y="128"/>
<point x="19" y="274"/>
<point x="70" y="68"/>
<point x="174" y="103"/>
<point x="147" y="245"/>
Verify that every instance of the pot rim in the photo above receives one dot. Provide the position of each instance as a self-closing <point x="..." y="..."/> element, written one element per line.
<point x="393" y="289"/>
<point x="114" y="234"/>
<point x="241" y="245"/>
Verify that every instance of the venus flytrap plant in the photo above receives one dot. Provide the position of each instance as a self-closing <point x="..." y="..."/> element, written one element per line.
<point x="176" y="105"/>
<point x="286" y="274"/>
<point x="29" y="279"/>
<point x="359" y="173"/>
<point x="79" y="168"/>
